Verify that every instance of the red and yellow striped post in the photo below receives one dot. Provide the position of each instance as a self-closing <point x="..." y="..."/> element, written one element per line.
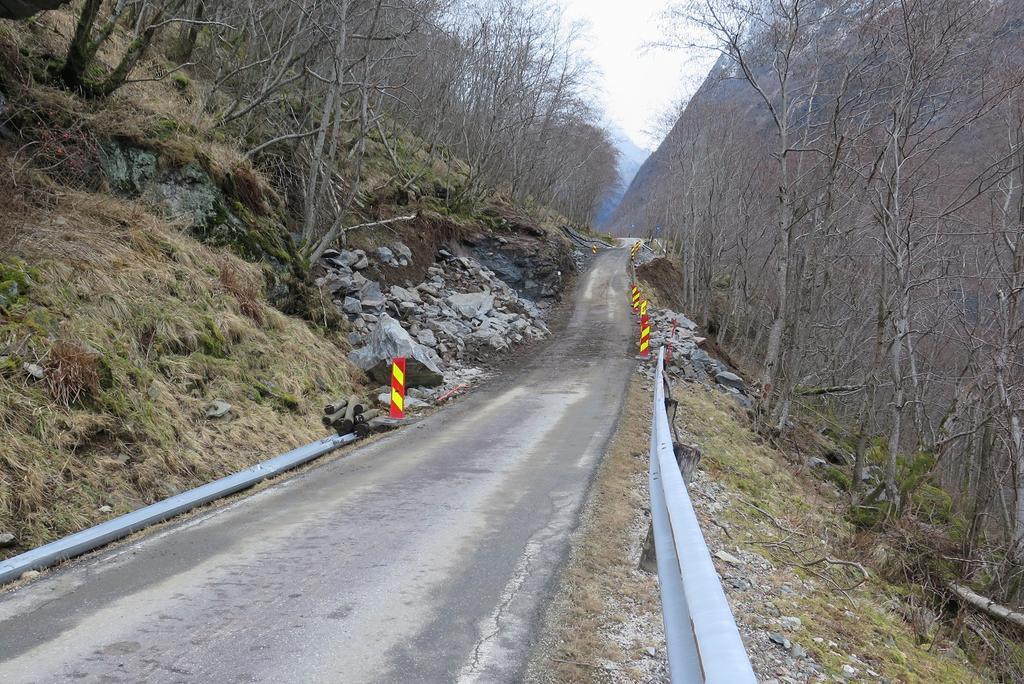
<point x="645" y="336"/>
<point x="398" y="387"/>
<point x="636" y="298"/>
<point x="643" y="309"/>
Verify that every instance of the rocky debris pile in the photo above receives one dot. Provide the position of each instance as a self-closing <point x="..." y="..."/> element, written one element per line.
<point x="580" y="258"/>
<point x="645" y="255"/>
<point x="461" y="311"/>
<point x="389" y="339"/>
<point x="689" y="360"/>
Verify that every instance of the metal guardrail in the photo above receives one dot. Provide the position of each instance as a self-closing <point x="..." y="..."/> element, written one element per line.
<point x="121" y="526"/>
<point x="701" y="637"/>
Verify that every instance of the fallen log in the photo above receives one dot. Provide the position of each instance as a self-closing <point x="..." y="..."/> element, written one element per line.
<point x="987" y="605"/>
<point x="367" y="416"/>
<point x="353" y="408"/>
<point x="336" y="406"/>
<point x="333" y="418"/>
<point x="378" y="424"/>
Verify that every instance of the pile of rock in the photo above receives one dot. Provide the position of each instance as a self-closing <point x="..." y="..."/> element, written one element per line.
<point x="688" y="360"/>
<point x="460" y="307"/>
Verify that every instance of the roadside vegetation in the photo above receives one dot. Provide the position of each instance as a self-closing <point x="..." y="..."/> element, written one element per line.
<point x="846" y="188"/>
<point x="781" y="504"/>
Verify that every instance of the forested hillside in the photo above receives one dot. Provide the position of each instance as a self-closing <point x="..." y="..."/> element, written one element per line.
<point x="846" y="195"/>
<point x="207" y="205"/>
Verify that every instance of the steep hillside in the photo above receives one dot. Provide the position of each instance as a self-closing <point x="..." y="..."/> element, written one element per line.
<point x="631" y="159"/>
<point x="162" y="320"/>
<point x="843" y="197"/>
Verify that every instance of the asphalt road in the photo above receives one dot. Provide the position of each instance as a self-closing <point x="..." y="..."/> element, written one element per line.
<point x="427" y="556"/>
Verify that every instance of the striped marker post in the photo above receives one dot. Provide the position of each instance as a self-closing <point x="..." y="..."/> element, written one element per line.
<point x="398" y="387"/>
<point x="593" y="249"/>
<point x="636" y="298"/>
<point x="645" y="337"/>
<point x="643" y="309"/>
<point x="635" y="248"/>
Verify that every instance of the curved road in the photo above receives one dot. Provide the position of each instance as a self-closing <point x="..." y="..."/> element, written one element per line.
<point x="427" y="556"/>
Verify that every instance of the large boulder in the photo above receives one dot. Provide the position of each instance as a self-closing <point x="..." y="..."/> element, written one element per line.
<point x="472" y="304"/>
<point x="686" y="323"/>
<point x="370" y="295"/>
<point x="400" y="294"/>
<point x="351" y="305"/>
<point x="732" y="380"/>
<point x="389" y="339"/>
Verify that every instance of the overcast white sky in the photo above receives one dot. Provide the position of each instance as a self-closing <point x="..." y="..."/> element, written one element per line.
<point x="638" y="83"/>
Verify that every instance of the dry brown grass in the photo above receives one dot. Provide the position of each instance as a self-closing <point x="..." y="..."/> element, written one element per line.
<point x="171" y="336"/>
<point x="72" y="373"/>
<point x="245" y="291"/>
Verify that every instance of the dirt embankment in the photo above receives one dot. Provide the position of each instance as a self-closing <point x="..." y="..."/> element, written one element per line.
<point x="665" y="278"/>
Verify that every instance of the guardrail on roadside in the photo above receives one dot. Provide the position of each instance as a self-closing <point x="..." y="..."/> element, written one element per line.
<point x="701" y="637"/>
<point x="121" y="526"/>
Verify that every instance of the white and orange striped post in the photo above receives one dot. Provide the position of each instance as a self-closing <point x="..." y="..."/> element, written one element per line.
<point x="645" y="336"/>
<point x="398" y="387"/>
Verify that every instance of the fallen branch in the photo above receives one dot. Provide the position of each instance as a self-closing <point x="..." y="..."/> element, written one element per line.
<point x="771" y="518"/>
<point x="578" y="663"/>
<point x="838" y="561"/>
<point x="818" y="391"/>
<point x="987" y="605"/>
<point x="337" y="231"/>
<point x="379" y="223"/>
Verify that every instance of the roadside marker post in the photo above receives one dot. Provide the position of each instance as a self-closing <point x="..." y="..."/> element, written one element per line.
<point x="634" y="249"/>
<point x="645" y="337"/>
<point x="636" y="298"/>
<point x="398" y="387"/>
<point x="671" y="336"/>
<point x="593" y="249"/>
<point x="643" y="309"/>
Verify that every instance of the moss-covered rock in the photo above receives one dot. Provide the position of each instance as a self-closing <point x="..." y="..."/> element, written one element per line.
<point x="839" y="478"/>
<point x="128" y="170"/>
<point x="223" y="210"/>
<point x="16" y="278"/>
<point x="282" y="400"/>
<point x="212" y="339"/>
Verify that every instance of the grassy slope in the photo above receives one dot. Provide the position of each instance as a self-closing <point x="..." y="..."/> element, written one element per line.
<point x="138" y="325"/>
<point x="165" y="325"/>
<point x="867" y="621"/>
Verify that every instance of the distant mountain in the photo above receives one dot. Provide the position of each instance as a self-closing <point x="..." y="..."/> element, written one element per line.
<point x="631" y="158"/>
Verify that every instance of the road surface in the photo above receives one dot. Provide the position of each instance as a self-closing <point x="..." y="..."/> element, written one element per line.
<point x="427" y="556"/>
